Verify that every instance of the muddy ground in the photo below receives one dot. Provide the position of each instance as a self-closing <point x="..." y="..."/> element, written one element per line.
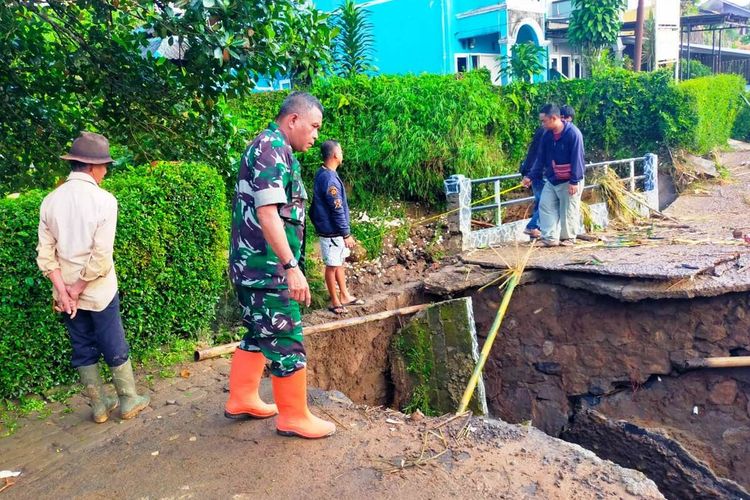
<point x="183" y="447"/>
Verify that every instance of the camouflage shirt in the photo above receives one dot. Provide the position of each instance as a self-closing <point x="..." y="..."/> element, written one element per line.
<point x="269" y="175"/>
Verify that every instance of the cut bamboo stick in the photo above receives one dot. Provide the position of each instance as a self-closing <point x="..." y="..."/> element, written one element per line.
<point x="512" y="282"/>
<point x="214" y="352"/>
<point x="726" y="362"/>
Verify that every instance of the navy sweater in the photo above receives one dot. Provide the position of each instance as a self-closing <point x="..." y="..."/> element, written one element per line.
<point x="329" y="212"/>
<point x="531" y="154"/>
<point x="567" y="150"/>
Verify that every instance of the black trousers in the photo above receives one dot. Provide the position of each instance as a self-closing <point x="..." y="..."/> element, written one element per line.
<point x="97" y="333"/>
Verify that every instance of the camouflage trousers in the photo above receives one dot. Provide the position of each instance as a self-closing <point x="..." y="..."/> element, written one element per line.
<point x="274" y="328"/>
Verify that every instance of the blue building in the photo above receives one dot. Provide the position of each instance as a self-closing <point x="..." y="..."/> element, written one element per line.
<point x="449" y="36"/>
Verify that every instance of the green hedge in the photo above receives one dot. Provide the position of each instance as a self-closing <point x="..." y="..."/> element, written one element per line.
<point x="402" y="135"/>
<point x="717" y="102"/>
<point x="622" y="114"/>
<point x="170" y="257"/>
<point x="741" y="129"/>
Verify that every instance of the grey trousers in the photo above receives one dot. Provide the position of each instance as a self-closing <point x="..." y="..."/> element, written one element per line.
<point x="559" y="213"/>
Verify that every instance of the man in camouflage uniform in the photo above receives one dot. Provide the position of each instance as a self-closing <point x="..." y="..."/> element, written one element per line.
<point x="267" y="243"/>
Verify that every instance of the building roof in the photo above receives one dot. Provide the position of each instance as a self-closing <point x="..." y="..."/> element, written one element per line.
<point x="726" y="52"/>
<point x="734" y="11"/>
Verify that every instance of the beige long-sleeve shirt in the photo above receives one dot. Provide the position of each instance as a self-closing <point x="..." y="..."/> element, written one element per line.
<point x="77" y="224"/>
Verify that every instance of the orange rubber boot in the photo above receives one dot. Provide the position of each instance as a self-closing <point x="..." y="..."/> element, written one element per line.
<point x="294" y="417"/>
<point x="244" y="380"/>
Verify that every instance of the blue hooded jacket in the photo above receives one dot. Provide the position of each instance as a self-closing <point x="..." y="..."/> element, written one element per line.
<point x="329" y="211"/>
<point x="568" y="149"/>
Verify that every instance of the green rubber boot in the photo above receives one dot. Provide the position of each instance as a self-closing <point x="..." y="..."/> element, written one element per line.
<point x="130" y="402"/>
<point x="100" y="402"/>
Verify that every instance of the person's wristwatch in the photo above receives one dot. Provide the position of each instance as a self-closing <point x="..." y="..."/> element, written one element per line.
<point x="292" y="263"/>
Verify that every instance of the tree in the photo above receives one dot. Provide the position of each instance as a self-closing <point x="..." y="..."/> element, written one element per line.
<point x="648" y="58"/>
<point x="595" y="24"/>
<point x="525" y="62"/>
<point x="90" y="65"/>
<point x="353" y="45"/>
<point x="688" y="7"/>
<point x="639" y="25"/>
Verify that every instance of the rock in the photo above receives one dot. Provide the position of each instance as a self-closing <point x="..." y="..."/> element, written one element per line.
<point x="548" y="347"/>
<point x="748" y="408"/>
<point x="664" y="460"/>
<point x="723" y="393"/>
<point x="702" y="167"/>
<point x="740" y="313"/>
<point x="736" y="436"/>
<point x="417" y="415"/>
<point x="549" y="368"/>
<point x="712" y="333"/>
<point x="444" y="367"/>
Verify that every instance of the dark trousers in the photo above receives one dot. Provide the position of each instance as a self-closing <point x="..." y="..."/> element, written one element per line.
<point x="97" y="333"/>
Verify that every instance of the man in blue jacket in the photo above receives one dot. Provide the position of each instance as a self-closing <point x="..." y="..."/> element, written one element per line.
<point x="560" y="163"/>
<point x="330" y="216"/>
<point x="532" y="228"/>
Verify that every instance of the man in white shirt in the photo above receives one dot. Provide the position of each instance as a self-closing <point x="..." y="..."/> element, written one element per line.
<point x="77" y="224"/>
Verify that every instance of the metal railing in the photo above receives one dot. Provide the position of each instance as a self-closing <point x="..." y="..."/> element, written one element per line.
<point x="498" y="203"/>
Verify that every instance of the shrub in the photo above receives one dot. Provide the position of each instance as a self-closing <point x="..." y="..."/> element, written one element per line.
<point x="694" y="68"/>
<point x="402" y="135"/>
<point x="742" y="124"/>
<point x="621" y="114"/>
<point x="717" y="102"/>
<point x="170" y="257"/>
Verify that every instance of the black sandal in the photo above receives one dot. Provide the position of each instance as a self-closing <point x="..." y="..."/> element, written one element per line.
<point x="339" y="310"/>
<point x="355" y="302"/>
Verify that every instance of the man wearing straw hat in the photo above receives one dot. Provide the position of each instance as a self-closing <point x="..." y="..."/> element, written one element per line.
<point x="77" y="224"/>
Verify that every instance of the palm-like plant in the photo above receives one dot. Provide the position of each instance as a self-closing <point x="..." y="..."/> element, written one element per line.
<point x="524" y="63"/>
<point x="648" y="57"/>
<point x="353" y="46"/>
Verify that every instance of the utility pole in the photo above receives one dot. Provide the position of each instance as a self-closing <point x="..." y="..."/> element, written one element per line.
<point x="639" y="36"/>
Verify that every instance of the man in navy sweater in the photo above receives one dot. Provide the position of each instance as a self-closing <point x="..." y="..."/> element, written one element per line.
<point x="532" y="228"/>
<point x="560" y="163"/>
<point x="330" y="216"/>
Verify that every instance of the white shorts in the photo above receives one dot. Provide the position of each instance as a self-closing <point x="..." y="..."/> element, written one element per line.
<point x="333" y="251"/>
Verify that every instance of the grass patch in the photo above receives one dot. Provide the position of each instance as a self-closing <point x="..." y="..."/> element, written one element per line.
<point x="12" y="411"/>
<point x="415" y="345"/>
<point x="371" y="228"/>
<point x="163" y="359"/>
<point x="435" y="248"/>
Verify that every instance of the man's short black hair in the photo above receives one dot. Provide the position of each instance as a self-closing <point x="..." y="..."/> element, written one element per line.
<point x="550" y="110"/>
<point x="77" y="166"/>
<point x="567" y="112"/>
<point x="298" y="102"/>
<point x="328" y="149"/>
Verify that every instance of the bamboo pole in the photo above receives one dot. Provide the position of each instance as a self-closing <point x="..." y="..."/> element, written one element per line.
<point x="214" y="352"/>
<point x="512" y="282"/>
<point x="727" y="362"/>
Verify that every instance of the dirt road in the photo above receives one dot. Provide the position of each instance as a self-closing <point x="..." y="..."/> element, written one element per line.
<point x="184" y="448"/>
